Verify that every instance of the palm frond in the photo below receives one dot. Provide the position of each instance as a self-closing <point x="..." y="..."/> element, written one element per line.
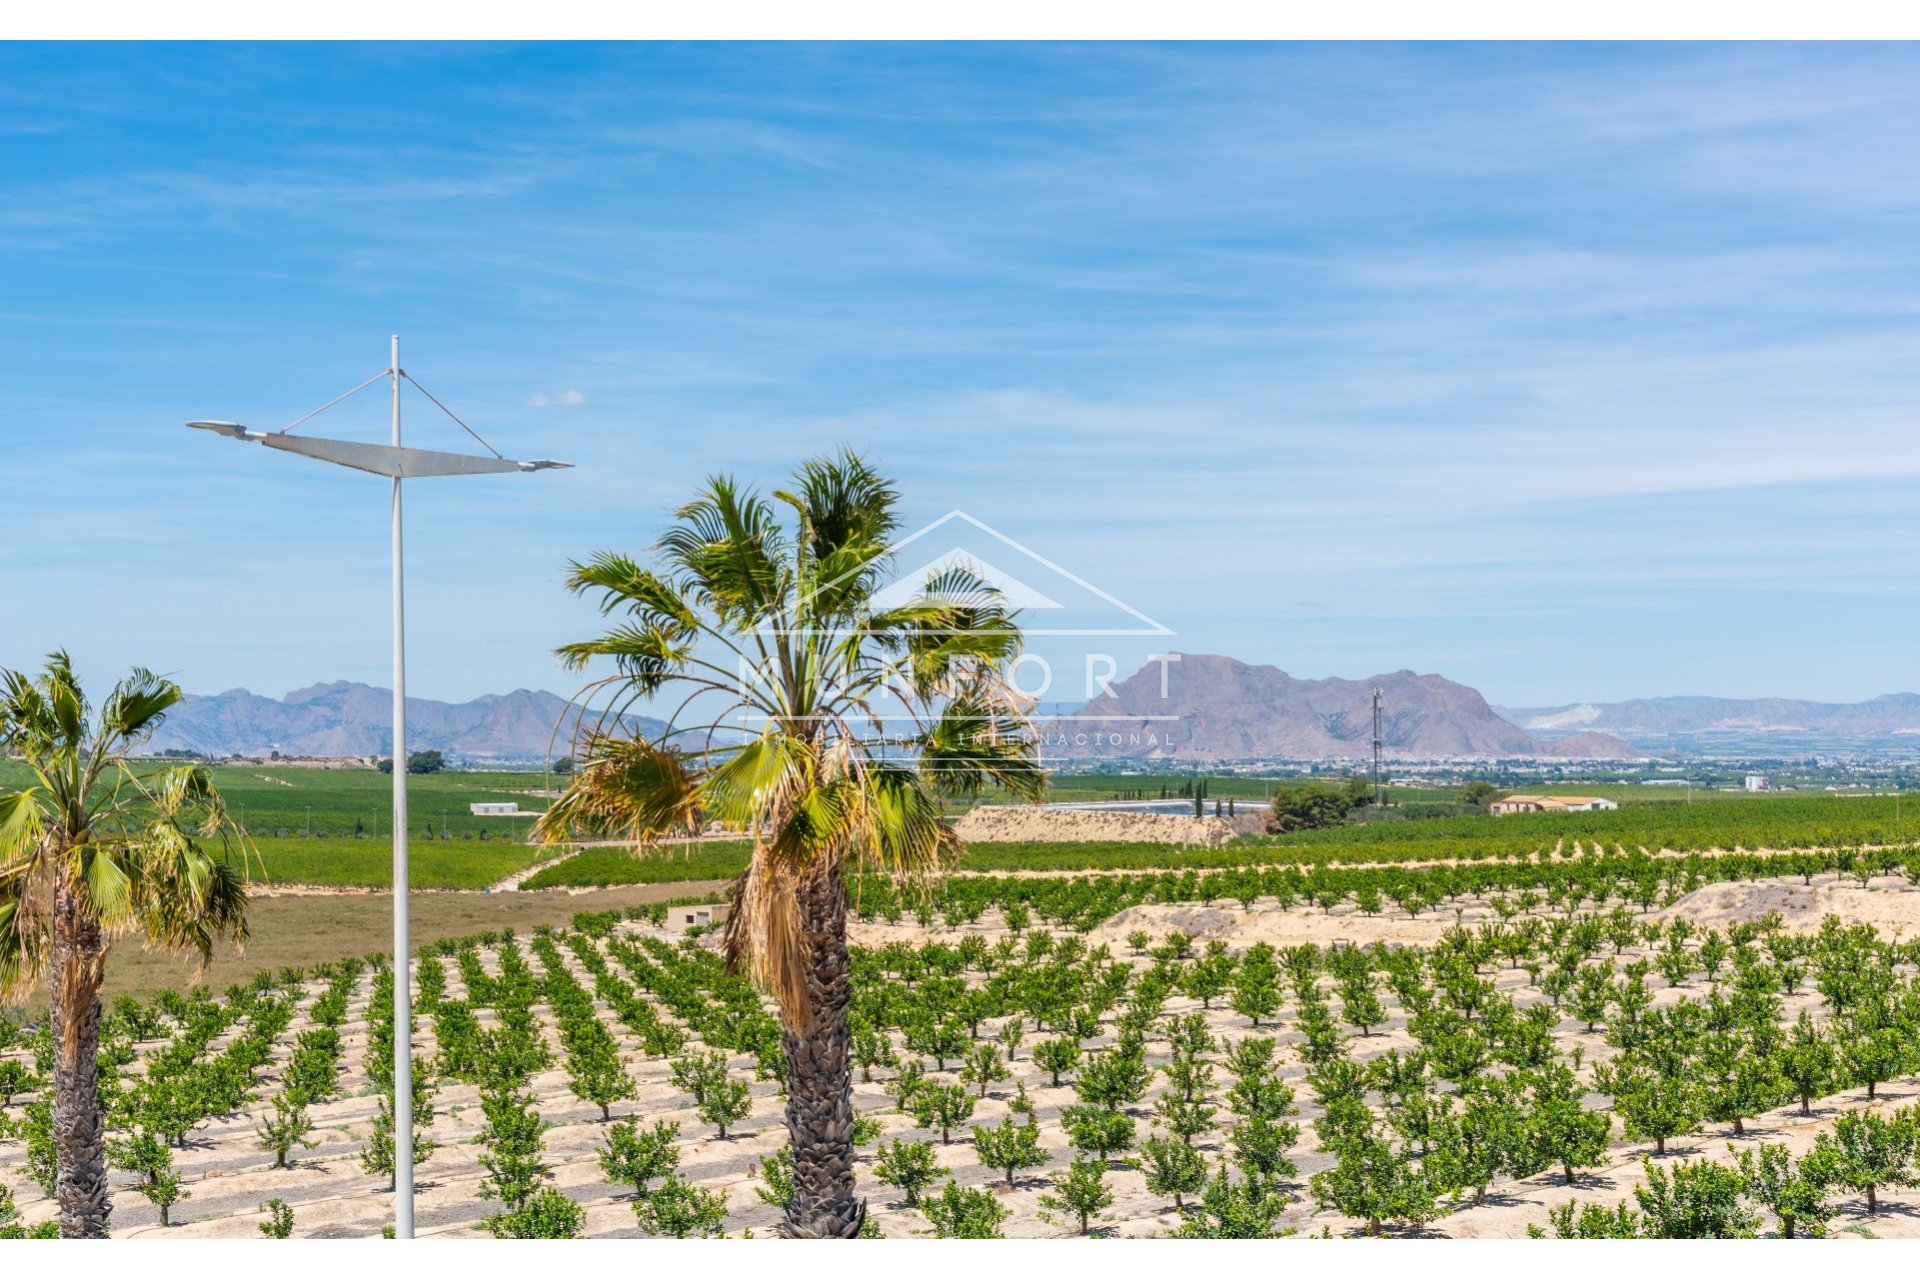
<point x="137" y="704"/>
<point x="20" y="823"/>
<point x="624" y="788"/>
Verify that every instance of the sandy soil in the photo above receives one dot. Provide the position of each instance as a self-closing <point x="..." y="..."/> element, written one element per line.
<point x="1890" y="905"/>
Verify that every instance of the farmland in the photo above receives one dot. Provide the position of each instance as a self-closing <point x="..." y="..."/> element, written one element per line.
<point x="277" y="801"/>
<point x="1504" y="1057"/>
<point x="1779" y="824"/>
<point x="1394" y="1028"/>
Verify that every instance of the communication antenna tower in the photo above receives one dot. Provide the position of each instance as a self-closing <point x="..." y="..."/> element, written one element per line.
<point x="1379" y="796"/>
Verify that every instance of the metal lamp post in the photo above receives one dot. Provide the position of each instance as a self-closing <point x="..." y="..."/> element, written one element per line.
<point x="397" y="463"/>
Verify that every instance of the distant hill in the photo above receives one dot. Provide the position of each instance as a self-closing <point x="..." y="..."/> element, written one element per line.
<point x="344" y="719"/>
<point x="1753" y="724"/>
<point x="1593" y="746"/>
<point x="1219" y="708"/>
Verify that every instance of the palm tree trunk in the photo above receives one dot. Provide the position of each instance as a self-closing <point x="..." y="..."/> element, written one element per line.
<point x="819" y="1082"/>
<point x="79" y="957"/>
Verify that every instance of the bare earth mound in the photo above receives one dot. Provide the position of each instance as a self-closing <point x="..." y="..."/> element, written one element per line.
<point x="1889" y="906"/>
<point x="1018" y="822"/>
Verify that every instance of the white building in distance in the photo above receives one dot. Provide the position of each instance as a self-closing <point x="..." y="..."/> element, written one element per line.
<point x="1551" y="804"/>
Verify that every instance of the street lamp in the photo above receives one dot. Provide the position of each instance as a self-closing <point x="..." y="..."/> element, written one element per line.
<point x="396" y="463"/>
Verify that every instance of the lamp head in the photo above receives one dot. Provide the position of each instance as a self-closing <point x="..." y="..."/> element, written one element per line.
<point x="544" y="464"/>
<point x="232" y="430"/>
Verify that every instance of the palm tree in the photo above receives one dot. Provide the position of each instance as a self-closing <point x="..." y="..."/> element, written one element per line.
<point x="823" y="723"/>
<point x="90" y="850"/>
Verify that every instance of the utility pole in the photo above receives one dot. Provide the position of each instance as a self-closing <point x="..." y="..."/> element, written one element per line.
<point x="1379" y="795"/>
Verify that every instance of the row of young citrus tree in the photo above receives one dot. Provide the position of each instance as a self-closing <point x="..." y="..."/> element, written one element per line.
<point x="1491" y="1089"/>
<point x="1772" y="822"/>
<point x="1636" y="879"/>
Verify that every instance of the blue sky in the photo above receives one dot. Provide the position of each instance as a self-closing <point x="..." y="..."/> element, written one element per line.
<point x="1569" y="372"/>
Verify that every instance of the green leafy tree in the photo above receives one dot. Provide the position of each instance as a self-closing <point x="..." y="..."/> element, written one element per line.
<point x="636" y="1157"/>
<point x="817" y="663"/>
<point x="1081" y="1192"/>
<point x="35" y="1130"/>
<point x="910" y="1166"/>
<point x="1559" y="1130"/>
<point x="164" y="1190"/>
<point x="1057" y="1057"/>
<point x="1865" y="1151"/>
<point x="1479" y="794"/>
<point x="1211" y="976"/>
<point x="1359" y="1004"/>
<point x="96" y="847"/>
<point x="1740" y="1080"/>
<point x="1374" y="1181"/>
<point x="1009" y="1147"/>
<point x="682" y="1211"/>
<point x="380" y="1153"/>
<point x="1573" y="1221"/>
<point x="729" y="1101"/>
<point x="1230" y="1210"/>
<point x="942" y="1107"/>
<point x="776" y="1178"/>
<point x="1013" y="1033"/>
<point x="1796" y="1191"/>
<point x="1309" y="806"/>
<point x="546" y="1215"/>
<point x="1172" y="1168"/>
<point x="984" y="1067"/>
<point x="964" y="1213"/>
<point x="1808" y="1062"/>
<point x="286" y="1128"/>
<point x="1256" y="987"/>
<point x="1652" y="1103"/>
<point x="16" y="1078"/>
<point x="1697" y="1200"/>
<point x="1098" y="1129"/>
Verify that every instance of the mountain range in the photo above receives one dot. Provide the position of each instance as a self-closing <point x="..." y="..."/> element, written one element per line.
<point x="1761" y="725"/>
<point x="344" y="719"/>
<point x="1212" y="707"/>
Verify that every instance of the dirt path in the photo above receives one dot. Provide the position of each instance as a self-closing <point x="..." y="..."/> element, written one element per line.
<point x="512" y="883"/>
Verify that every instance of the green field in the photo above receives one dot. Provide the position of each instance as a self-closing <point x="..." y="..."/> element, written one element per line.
<point x="614" y="865"/>
<point x="344" y="862"/>
<point x="275" y="801"/>
<point x="330" y="827"/>
<point x="1075" y="787"/>
<point x="1781" y="822"/>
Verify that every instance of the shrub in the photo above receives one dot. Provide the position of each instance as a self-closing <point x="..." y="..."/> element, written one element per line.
<point x="1081" y="1192"/>
<point x="964" y="1213"/>
<point x="1698" y="1200"/>
<point x="635" y="1157"/>
<point x="682" y="1211"/>
<point x="1009" y="1147"/>
<point x="546" y="1215"/>
<point x="279" y="1219"/>
<point x="910" y="1166"/>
